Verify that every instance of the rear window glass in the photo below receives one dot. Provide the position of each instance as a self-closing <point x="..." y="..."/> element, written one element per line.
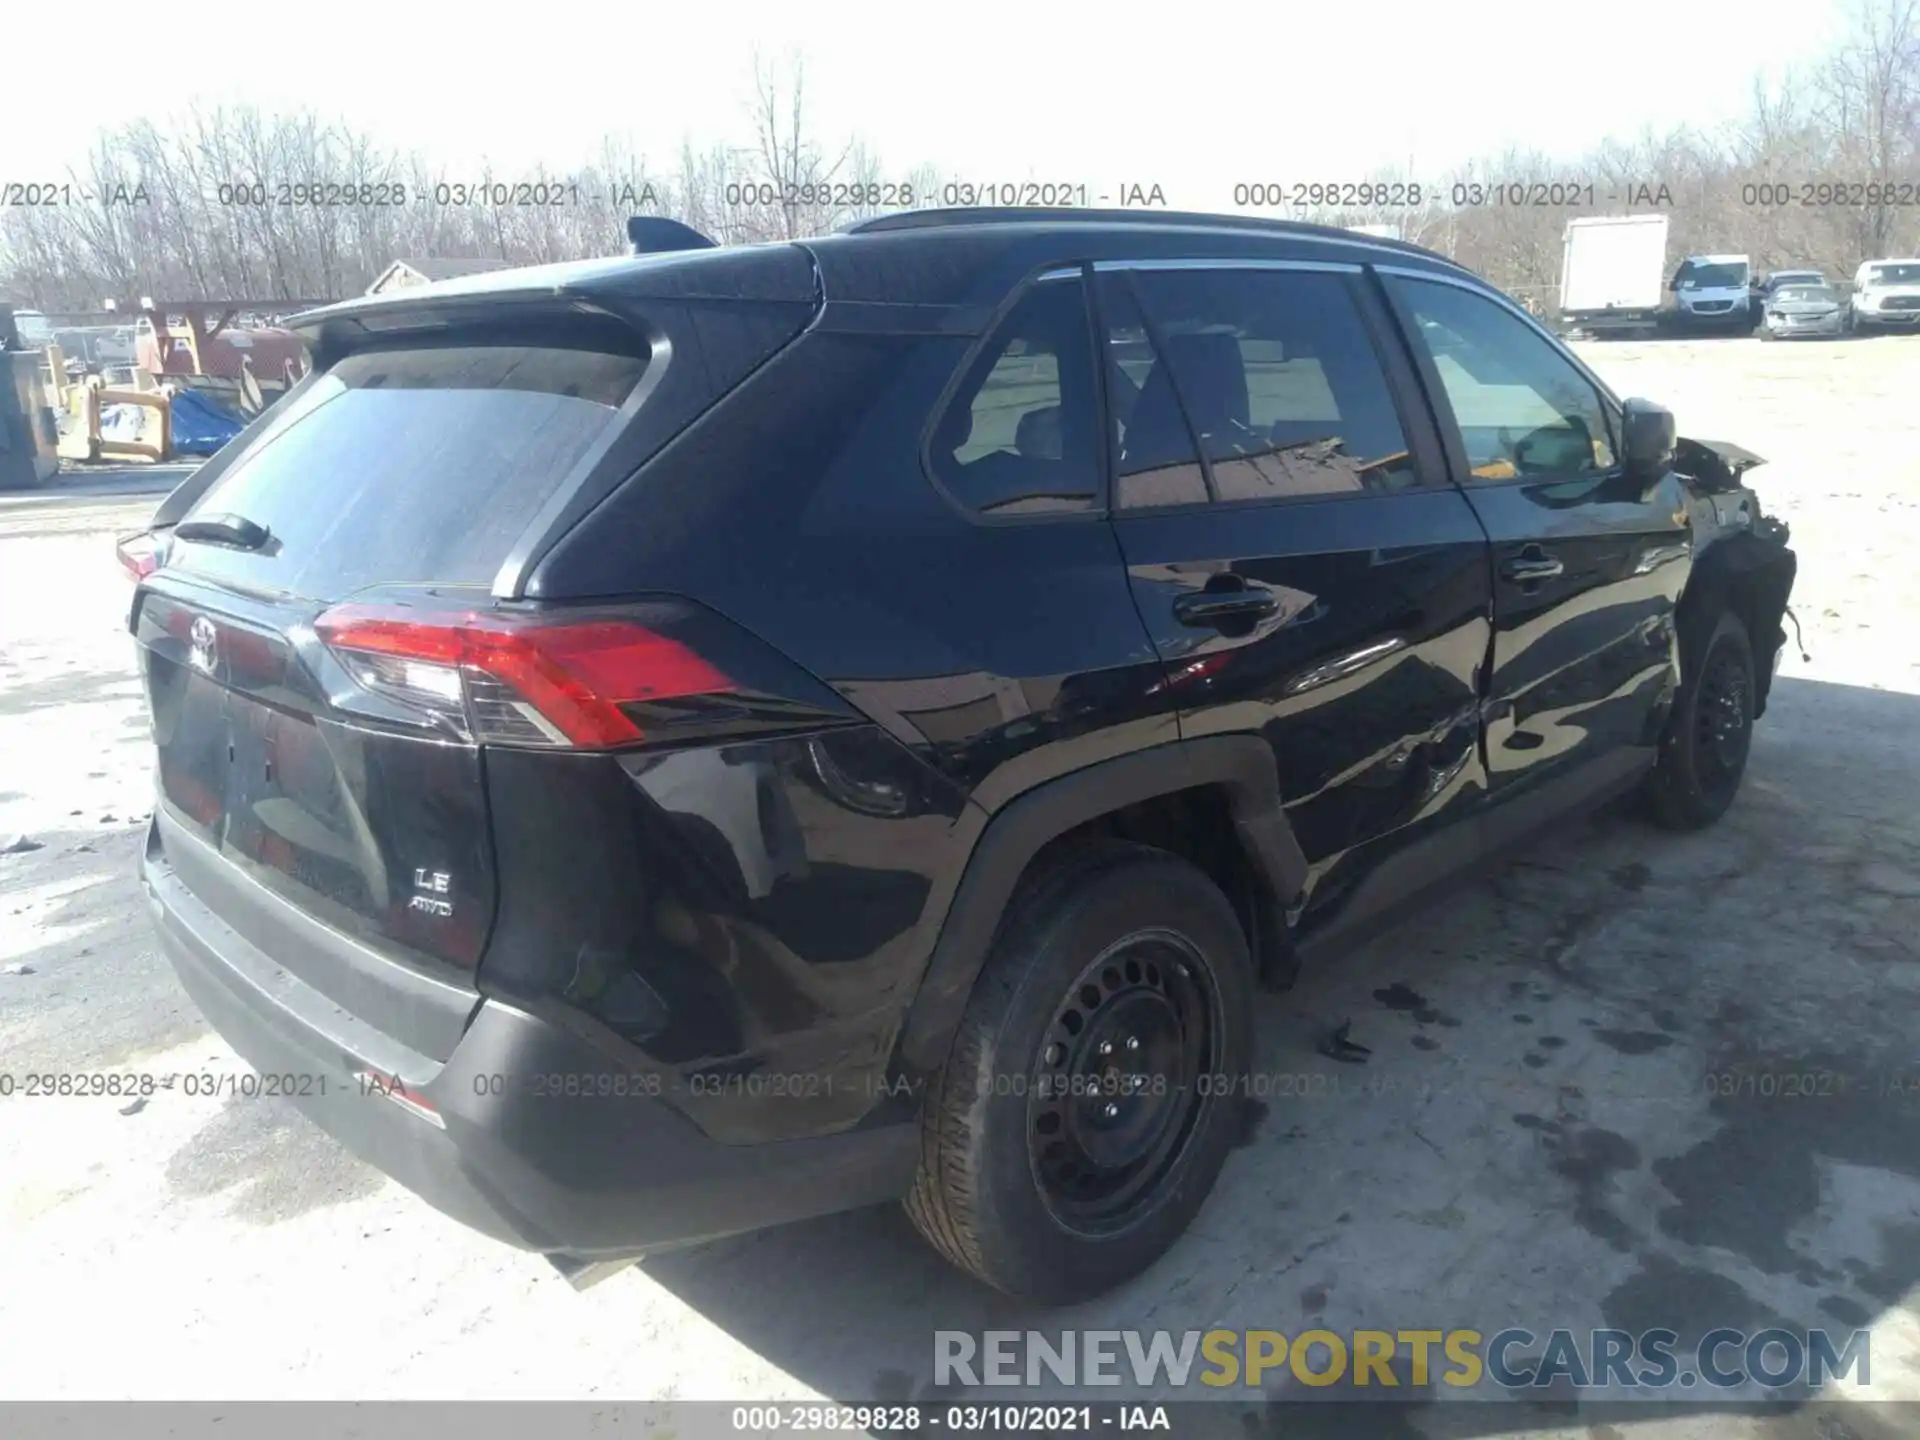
<point x="416" y="465"/>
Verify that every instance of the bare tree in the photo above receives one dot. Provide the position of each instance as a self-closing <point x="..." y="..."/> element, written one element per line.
<point x="812" y="188"/>
<point x="1870" y="89"/>
<point x="238" y="201"/>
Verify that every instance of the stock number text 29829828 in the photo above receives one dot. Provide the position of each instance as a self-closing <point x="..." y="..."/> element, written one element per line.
<point x="1459" y="195"/>
<point x="1335" y="194"/>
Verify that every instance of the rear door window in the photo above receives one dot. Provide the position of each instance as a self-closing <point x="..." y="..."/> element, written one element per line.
<point x="413" y="466"/>
<point x="1279" y="378"/>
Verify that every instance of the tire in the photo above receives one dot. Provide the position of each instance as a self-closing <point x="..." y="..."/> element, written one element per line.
<point x="1703" y="753"/>
<point x="1012" y="1186"/>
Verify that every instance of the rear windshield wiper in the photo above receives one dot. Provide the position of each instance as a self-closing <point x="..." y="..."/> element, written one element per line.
<point x="235" y="530"/>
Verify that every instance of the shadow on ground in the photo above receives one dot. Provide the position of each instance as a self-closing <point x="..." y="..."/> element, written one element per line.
<point x="1643" y="1080"/>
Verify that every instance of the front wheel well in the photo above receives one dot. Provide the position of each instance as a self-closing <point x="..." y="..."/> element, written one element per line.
<point x="1753" y="581"/>
<point x="1197" y="824"/>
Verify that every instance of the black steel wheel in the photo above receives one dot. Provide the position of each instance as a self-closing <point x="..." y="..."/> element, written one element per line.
<point x="1120" y="1077"/>
<point x="1703" y="754"/>
<point x="1723" y="718"/>
<point x="1090" y="1096"/>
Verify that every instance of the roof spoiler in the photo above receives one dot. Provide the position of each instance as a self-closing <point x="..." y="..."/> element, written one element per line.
<point x="656" y="234"/>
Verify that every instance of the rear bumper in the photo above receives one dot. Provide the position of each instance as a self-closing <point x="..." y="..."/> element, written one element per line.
<point x="602" y="1172"/>
<point x="1600" y="322"/>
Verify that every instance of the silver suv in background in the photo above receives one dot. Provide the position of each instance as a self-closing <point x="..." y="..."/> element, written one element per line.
<point x="1780" y="279"/>
<point x="1886" y="295"/>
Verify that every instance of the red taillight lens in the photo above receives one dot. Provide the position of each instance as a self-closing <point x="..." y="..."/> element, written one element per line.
<point x="377" y="1082"/>
<point x="139" y="555"/>
<point x="519" y="680"/>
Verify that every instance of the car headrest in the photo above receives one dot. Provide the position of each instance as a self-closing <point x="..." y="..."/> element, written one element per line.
<point x="1038" y="435"/>
<point x="1213" y="377"/>
<point x="1156" y="432"/>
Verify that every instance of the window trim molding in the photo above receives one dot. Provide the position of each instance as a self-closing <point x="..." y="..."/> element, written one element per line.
<point x="1052" y="273"/>
<point x="1228" y="262"/>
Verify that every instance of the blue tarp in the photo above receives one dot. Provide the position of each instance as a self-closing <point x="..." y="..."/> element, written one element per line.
<point x="200" y="425"/>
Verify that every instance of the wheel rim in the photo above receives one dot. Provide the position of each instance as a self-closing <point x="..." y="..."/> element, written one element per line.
<point x="1118" y="1081"/>
<point x="1722" y="720"/>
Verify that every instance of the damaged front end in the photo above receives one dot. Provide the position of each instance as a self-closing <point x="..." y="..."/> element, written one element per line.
<point x="1713" y="464"/>
<point x="1742" y="560"/>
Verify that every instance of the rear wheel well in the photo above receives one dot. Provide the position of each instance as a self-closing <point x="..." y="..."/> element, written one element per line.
<point x="1197" y="825"/>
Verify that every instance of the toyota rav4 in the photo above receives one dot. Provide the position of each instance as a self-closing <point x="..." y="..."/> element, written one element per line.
<point x="663" y="746"/>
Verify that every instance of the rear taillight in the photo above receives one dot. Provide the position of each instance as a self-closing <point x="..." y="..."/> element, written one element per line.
<point x="139" y="555"/>
<point x="518" y="680"/>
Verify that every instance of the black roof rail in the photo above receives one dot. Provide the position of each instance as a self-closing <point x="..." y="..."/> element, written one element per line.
<point x="1055" y="215"/>
<point x="656" y="234"/>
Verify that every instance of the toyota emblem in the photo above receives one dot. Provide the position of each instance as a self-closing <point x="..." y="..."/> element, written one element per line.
<point x="200" y="641"/>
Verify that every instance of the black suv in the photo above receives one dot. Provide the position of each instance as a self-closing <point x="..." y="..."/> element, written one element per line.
<point x="657" y="747"/>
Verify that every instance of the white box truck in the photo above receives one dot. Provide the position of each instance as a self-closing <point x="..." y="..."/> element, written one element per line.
<point x="1612" y="273"/>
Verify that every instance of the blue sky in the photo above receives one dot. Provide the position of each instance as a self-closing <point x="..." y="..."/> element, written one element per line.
<point x="1194" y="97"/>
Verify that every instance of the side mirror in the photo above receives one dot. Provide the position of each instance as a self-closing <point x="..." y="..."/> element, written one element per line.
<point x="1647" y="436"/>
<point x="1563" y="449"/>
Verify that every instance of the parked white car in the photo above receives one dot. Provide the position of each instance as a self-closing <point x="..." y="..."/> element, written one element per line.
<point x="1886" y="295"/>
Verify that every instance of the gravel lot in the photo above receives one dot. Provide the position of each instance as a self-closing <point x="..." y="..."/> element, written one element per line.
<point x="1534" y="1142"/>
